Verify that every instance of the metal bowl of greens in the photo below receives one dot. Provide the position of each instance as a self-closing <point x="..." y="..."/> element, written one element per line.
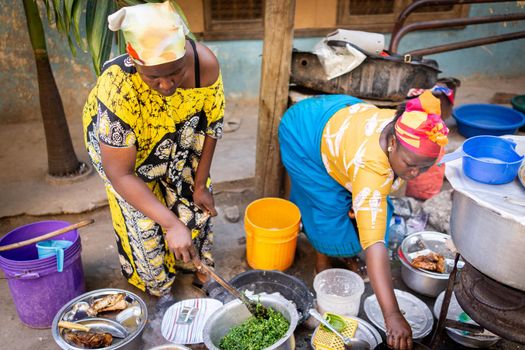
<point x="234" y="314"/>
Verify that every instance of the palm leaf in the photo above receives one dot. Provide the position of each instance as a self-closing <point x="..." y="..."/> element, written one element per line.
<point x="59" y="20"/>
<point x="49" y="13"/>
<point x="124" y="3"/>
<point x="99" y="37"/>
<point x="76" y="14"/>
<point x="67" y="9"/>
<point x="121" y="42"/>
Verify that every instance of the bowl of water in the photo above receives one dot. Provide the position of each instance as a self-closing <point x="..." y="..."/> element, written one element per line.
<point x="339" y="291"/>
<point x="488" y="159"/>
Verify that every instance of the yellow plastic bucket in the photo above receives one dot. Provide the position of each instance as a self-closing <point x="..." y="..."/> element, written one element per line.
<point x="272" y="226"/>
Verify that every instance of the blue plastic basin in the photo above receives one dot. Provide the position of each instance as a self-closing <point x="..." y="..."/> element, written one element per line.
<point x="487" y="119"/>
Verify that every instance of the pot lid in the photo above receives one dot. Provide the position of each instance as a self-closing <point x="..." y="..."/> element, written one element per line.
<point x="417" y="314"/>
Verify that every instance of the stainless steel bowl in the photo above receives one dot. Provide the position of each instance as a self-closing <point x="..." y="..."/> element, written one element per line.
<point x="234" y="313"/>
<point x="132" y="342"/>
<point x="461" y="337"/>
<point x="425" y="282"/>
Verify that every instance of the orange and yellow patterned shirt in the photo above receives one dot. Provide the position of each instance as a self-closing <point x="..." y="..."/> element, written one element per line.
<point x="352" y="155"/>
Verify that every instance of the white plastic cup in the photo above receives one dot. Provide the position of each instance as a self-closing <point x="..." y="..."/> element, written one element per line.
<point x="339" y="291"/>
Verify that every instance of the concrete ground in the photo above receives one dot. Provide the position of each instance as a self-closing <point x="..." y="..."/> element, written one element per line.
<point x="27" y="197"/>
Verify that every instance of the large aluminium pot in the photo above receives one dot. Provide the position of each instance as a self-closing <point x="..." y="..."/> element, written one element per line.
<point x="490" y="242"/>
<point x="234" y="313"/>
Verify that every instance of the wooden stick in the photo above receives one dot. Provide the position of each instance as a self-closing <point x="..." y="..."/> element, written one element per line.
<point x="231" y="289"/>
<point x="75" y="326"/>
<point x="47" y="235"/>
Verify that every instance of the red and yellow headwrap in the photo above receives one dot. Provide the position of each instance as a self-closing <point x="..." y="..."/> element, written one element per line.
<point x="420" y="128"/>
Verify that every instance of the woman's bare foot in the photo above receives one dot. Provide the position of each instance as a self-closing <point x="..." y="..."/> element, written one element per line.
<point x="322" y="263"/>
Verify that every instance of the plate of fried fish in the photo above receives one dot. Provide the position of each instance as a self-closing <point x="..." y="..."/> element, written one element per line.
<point x="101" y="319"/>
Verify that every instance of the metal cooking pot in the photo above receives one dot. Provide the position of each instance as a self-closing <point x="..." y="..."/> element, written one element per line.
<point x="234" y="313"/>
<point x="425" y="282"/>
<point x="420" y="281"/>
<point x="490" y="242"/>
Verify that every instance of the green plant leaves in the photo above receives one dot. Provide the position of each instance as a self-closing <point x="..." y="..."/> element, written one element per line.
<point x="99" y="37"/>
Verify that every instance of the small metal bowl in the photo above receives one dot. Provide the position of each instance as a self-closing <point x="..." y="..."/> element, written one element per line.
<point x="425" y="282"/>
<point x="132" y="341"/>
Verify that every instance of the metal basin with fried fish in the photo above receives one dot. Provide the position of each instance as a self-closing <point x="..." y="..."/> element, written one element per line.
<point x="108" y="319"/>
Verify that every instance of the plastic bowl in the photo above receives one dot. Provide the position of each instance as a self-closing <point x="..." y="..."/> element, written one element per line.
<point x="487" y="119"/>
<point x="490" y="160"/>
<point x="518" y="102"/>
<point x="339" y="291"/>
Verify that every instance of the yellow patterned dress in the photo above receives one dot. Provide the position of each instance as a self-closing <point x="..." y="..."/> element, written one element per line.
<point x="168" y="133"/>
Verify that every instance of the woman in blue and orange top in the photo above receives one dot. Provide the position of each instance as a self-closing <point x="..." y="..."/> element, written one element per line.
<point x="344" y="155"/>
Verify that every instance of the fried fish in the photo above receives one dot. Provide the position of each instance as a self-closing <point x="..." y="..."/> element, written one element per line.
<point x="430" y="262"/>
<point x="111" y="302"/>
<point x="89" y="340"/>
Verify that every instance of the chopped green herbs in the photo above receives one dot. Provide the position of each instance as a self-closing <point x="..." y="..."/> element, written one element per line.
<point x="256" y="333"/>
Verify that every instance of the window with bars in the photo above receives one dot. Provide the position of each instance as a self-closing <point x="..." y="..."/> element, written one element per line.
<point x="380" y="15"/>
<point x="234" y="18"/>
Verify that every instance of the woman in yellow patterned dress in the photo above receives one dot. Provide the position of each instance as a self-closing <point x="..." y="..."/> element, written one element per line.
<point x="150" y="126"/>
<point x="344" y="157"/>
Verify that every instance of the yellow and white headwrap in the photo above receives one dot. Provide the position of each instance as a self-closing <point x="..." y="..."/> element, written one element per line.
<point x="154" y="32"/>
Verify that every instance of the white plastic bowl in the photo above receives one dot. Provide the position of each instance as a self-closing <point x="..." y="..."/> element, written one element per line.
<point x="339" y="291"/>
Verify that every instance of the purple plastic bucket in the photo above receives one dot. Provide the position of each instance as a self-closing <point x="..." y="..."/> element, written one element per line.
<point x="37" y="288"/>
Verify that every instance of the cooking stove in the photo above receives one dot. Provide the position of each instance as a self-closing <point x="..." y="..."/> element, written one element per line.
<point x="495" y="306"/>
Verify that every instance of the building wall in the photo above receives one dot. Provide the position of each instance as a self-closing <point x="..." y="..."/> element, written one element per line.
<point x="240" y="60"/>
